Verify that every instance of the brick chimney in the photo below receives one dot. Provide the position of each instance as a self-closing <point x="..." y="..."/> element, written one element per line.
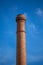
<point x="21" y="40"/>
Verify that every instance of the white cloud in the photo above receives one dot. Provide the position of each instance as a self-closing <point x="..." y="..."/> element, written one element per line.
<point x="26" y="15"/>
<point x="31" y="29"/>
<point x="39" y="11"/>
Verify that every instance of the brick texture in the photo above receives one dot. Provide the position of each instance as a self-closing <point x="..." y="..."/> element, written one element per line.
<point x="21" y="41"/>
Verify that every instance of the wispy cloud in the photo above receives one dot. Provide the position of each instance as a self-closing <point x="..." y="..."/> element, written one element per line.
<point x="32" y="31"/>
<point x="26" y="15"/>
<point x="39" y="11"/>
<point x="31" y="28"/>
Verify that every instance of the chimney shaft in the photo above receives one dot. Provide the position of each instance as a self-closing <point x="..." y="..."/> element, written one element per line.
<point x="21" y="40"/>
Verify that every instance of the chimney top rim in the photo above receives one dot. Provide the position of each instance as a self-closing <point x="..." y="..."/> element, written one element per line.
<point x="21" y="17"/>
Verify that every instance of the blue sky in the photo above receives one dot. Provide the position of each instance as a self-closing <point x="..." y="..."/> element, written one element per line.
<point x="33" y="10"/>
